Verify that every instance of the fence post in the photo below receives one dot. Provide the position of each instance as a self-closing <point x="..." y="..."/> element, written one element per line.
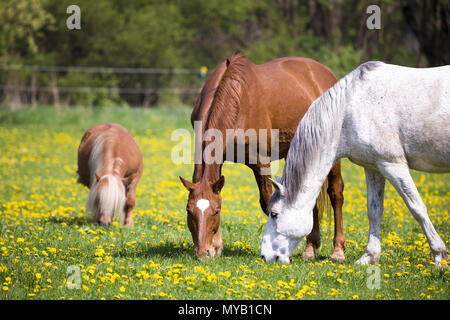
<point x="54" y="90"/>
<point x="33" y="90"/>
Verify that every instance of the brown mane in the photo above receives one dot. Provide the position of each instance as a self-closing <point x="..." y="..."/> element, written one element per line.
<point x="225" y="106"/>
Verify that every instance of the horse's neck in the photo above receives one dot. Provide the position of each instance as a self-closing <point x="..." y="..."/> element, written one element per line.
<point x="220" y="116"/>
<point x="316" y="147"/>
<point x="203" y="168"/>
<point x="207" y="172"/>
<point x="311" y="186"/>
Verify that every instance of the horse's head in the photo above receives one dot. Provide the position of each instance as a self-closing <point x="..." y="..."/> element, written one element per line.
<point x="203" y="216"/>
<point x="285" y="228"/>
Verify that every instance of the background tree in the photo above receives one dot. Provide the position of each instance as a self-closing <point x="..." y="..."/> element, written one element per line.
<point x="191" y="34"/>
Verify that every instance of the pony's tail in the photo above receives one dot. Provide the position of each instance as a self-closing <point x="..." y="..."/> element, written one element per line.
<point x="324" y="203"/>
<point x="107" y="195"/>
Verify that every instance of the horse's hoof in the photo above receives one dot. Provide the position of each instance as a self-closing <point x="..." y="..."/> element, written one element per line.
<point x="441" y="259"/>
<point x="338" y="257"/>
<point x="362" y="262"/>
<point x="309" y="253"/>
<point x="367" y="259"/>
<point x="129" y="225"/>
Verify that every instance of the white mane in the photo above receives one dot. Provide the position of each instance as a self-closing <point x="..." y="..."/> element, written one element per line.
<point x="316" y="130"/>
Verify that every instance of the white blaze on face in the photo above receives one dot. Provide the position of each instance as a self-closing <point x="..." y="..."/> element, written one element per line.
<point x="203" y="204"/>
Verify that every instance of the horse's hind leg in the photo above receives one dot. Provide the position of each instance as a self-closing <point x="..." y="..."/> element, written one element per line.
<point x="336" y="194"/>
<point x="375" y="194"/>
<point x="400" y="178"/>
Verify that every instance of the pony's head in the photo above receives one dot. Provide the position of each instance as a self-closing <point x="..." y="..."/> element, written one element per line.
<point x="286" y="226"/>
<point x="203" y="216"/>
<point x="106" y="197"/>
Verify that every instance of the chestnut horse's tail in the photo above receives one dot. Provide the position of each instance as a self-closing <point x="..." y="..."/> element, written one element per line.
<point x="107" y="197"/>
<point x="324" y="203"/>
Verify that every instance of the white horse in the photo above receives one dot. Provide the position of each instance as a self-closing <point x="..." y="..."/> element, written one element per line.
<point x="385" y="118"/>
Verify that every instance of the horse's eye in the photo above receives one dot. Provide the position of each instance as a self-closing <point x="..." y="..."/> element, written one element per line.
<point x="217" y="212"/>
<point x="188" y="212"/>
<point x="274" y="215"/>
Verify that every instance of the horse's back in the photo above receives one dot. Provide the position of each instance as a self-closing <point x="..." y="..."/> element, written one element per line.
<point x="306" y="71"/>
<point x="287" y="87"/>
<point x="117" y="143"/>
<point x="405" y="113"/>
<point x="296" y="73"/>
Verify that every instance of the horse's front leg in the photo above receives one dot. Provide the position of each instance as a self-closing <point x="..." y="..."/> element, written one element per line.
<point x="336" y="193"/>
<point x="313" y="239"/>
<point x="129" y="206"/>
<point x="130" y="202"/>
<point x="264" y="184"/>
<point x="375" y="194"/>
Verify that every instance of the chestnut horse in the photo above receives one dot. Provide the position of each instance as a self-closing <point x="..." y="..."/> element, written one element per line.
<point x="242" y="95"/>
<point x="110" y="165"/>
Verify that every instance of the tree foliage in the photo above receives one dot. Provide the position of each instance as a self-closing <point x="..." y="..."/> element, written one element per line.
<point x="190" y="34"/>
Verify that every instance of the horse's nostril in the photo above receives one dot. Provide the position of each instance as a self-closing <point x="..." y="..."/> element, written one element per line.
<point x="263" y="257"/>
<point x="208" y="253"/>
<point x="277" y="258"/>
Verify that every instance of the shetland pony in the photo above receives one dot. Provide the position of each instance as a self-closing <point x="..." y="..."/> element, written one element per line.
<point x="385" y="118"/>
<point x="110" y="165"/>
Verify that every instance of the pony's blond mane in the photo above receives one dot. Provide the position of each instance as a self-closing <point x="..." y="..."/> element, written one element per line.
<point x="108" y="193"/>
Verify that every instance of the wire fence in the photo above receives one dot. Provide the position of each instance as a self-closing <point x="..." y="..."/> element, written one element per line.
<point x="107" y="90"/>
<point x="31" y="84"/>
<point x="201" y="71"/>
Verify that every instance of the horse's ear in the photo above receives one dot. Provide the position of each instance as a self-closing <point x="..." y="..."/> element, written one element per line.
<point x="218" y="185"/>
<point x="187" y="184"/>
<point x="278" y="186"/>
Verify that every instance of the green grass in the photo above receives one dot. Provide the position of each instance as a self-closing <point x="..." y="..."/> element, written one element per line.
<point x="44" y="233"/>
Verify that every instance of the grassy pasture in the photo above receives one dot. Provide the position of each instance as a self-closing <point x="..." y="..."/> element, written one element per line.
<point x="46" y="242"/>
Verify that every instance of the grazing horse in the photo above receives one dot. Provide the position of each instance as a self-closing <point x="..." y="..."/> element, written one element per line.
<point x="385" y="118"/>
<point x="242" y="96"/>
<point x="110" y="165"/>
